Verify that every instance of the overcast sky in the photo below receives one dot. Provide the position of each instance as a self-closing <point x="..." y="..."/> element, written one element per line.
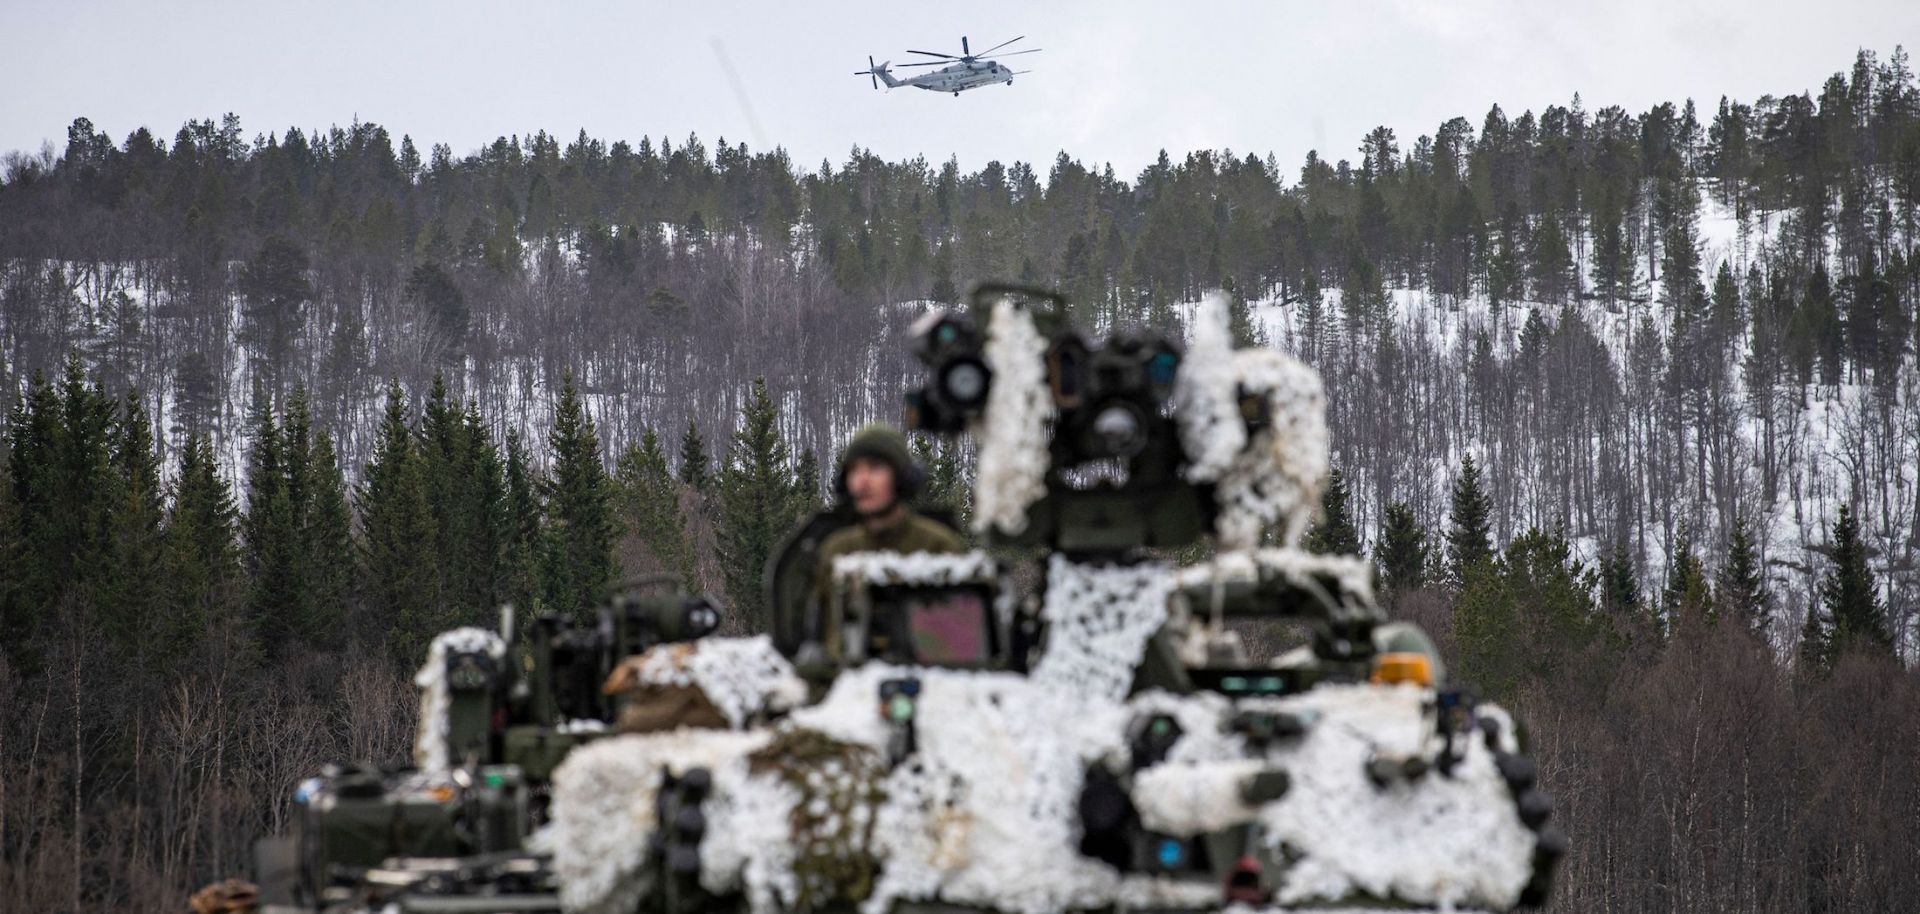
<point x="1118" y="79"/>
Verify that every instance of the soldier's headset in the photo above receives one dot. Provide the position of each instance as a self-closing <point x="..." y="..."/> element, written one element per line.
<point x="907" y="482"/>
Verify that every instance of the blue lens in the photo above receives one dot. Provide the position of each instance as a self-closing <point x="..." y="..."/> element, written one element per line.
<point x="1172" y="853"/>
<point x="1161" y="367"/>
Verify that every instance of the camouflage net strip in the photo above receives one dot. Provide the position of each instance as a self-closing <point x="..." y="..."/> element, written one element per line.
<point x="840" y="786"/>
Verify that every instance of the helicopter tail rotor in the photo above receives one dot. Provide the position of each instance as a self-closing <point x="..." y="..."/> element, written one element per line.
<point x="876" y="73"/>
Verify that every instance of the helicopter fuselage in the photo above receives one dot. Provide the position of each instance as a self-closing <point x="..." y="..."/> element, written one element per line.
<point x="961" y="77"/>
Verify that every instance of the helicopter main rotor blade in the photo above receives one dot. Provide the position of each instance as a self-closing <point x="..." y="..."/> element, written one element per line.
<point x="925" y="63"/>
<point x="964" y="50"/>
<point x="932" y="54"/>
<point x="1013" y="54"/>
<point x="998" y="47"/>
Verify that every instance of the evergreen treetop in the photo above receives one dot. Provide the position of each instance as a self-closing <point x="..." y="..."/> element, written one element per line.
<point x="1741" y="584"/>
<point x="1469" y="523"/>
<point x="1334" y="533"/>
<point x="1848" y="593"/>
<point x="757" y="504"/>
<point x="580" y="566"/>
<point x="1402" y="551"/>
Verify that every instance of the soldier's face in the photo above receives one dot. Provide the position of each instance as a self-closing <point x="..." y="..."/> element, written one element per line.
<point x="870" y="485"/>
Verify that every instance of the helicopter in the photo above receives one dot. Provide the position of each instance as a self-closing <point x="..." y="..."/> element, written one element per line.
<point x="967" y="70"/>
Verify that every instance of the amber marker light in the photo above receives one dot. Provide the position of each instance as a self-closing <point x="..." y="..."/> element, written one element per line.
<point x="1403" y="666"/>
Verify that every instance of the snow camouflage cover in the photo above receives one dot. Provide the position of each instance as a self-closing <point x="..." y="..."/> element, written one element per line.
<point x="986" y="810"/>
<point x="985" y="813"/>
<point x="1070" y="780"/>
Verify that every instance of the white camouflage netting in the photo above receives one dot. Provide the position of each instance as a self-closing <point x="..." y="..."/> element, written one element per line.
<point x="1274" y="477"/>
<point x="1444" y="841"/>
<point x="985" y="813"/>
<point x="1098" y="622"/>
<point x="1010" y="473"/>
<point x="918" y="567"/>
<point x="603" y="809"/>
<point x="430" y="735"/>
<point x="743" y="677"/>
<point x="1297" y="567"/>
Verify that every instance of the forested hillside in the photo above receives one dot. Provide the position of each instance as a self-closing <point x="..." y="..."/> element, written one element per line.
<point x="1625" y="404"/>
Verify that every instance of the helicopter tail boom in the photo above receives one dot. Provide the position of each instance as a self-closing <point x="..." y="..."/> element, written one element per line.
<point x="886" y="76"/>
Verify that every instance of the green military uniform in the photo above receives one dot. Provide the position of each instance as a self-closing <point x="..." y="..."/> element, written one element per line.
<point x="908" y="533"/>
<point x="911" y="533"/>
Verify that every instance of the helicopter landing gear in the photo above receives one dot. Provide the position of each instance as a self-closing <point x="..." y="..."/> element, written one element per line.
<point x="956" y="93"/>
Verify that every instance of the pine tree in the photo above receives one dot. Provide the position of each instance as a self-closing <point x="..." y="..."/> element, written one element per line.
<point x="1816" y="650"/>
<point x="439" y="304"/>
<point x="318" y="527"/>
<point x="1741" y="585"/>
<point x="948" y="486"/>
<point x="202" y="558"/>
<point x="1551" y="261"/>
<point x="756" y="502"/>
<point x="59" y="445"/>
<point x="442" y="471"/>
<point x="399" y="556"/>
<point x="1469" y="524"/>
<point x="650" y="500"/>
<point x="946" y="490"/>
<point x="520" y="554"/>
<point x="696" y="468"/>
<point x="1519" y="615"/>
<point x="130" y="601"/>
<point x="1687" y="599"/>
<point x="580" y="523"/>
<point x="274" y="285"/>
<point x="462" y="472"/>
<point x="1403" y="551"/>
<point x="12" y="552"/>
<point x="806" y="484"/>
<point x="1620" y="598"/>
<point x="1334" y="533"/>
<point x="489" y="524"/>
<point x="1847" y="592"/>
<point x="272" y="530"/>
<point x="326" y="548"/>
<point x="1619" y="588"/>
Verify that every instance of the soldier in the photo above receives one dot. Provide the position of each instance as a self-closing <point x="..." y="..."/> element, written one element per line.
<point x="878" y="479"/>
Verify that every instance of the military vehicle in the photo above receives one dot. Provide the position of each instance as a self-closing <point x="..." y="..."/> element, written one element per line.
<point x="935" y="736"/>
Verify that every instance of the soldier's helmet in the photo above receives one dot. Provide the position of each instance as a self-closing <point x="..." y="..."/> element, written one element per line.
<point x="882" y="442"/>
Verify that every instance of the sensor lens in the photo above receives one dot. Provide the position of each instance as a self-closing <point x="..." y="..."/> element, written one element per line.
<point x="1119" y="430"/>
<point x="966" y="382"/>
